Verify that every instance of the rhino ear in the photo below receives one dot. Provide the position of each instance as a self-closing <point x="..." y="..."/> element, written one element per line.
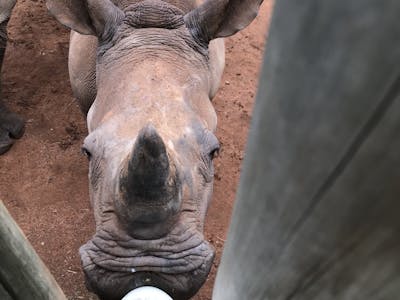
<point x="92" y="17"/>
<point x="221" y="18"/>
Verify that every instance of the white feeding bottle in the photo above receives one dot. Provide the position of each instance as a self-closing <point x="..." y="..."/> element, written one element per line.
<point x="147" y="293"/>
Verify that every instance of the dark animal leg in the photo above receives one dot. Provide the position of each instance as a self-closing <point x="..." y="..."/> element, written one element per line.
<point x="11" y="125"/>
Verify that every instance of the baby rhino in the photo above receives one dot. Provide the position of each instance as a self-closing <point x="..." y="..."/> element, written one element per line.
<point x="145" y="71"/>
<point x="11" y="125"/>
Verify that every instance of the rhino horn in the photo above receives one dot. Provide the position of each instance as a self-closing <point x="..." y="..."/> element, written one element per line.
<point x="148" y="176"/>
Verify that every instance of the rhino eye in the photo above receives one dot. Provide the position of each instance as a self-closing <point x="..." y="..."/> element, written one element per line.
<point x="215" y="152"/>
<point x="86" y="152"/>
<point x="211" y="145"/>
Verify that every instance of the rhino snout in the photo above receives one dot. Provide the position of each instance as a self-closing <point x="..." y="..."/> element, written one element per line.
<point x="115" y="267"/>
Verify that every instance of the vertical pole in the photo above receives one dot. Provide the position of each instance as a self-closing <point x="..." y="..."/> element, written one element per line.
<point x="317" y="211"/>
<point x="22" y="273"/>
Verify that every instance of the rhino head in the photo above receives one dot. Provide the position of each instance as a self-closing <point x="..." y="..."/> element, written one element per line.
<point x="151" y="139"/>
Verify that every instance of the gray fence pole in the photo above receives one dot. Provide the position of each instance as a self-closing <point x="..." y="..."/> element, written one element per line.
<point x="317" y="215"/>
<point x="23" y="275"/>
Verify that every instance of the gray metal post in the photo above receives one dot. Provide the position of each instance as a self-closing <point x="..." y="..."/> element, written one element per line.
<point x="317" y="215"/>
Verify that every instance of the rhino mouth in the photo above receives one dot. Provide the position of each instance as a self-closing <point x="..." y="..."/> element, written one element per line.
<point x="178" y="263"/>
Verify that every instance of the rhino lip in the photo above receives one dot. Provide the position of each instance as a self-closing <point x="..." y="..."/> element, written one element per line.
<point x="177" y="263"/>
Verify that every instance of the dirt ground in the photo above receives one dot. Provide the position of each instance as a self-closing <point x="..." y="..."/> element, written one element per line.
<point x="43" y="179"/>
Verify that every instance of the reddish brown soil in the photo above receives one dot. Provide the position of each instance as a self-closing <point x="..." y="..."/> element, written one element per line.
<point x="43" y="179"/>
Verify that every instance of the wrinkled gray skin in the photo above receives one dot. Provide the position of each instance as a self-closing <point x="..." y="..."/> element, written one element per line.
<point x="146" y="77"/>
<point x="11" y="125"/>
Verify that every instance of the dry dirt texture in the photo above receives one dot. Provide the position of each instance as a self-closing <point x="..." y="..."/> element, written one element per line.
<point x="43" y="179"/>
